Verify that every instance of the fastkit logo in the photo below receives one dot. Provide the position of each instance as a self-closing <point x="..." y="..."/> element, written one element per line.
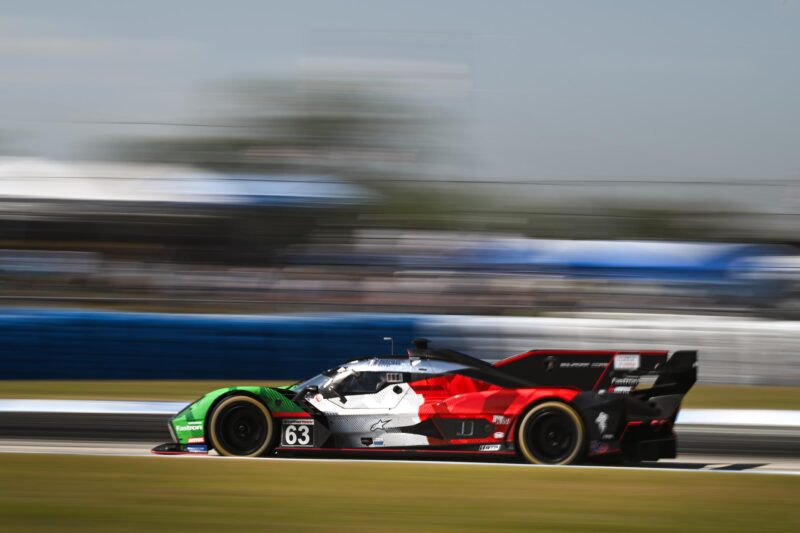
<point x="191" y="426"/>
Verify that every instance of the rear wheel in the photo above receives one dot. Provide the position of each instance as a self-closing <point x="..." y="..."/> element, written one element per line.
<point x="241" y="425"/>
<point x="551" y="433"/>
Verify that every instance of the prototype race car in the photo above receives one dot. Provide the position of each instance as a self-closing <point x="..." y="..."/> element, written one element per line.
<point x="546" y="406"/>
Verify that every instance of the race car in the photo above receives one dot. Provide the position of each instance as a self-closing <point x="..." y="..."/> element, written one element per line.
<point x="543" y="406"/>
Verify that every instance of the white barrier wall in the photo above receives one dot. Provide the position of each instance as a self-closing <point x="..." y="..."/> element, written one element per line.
<point x="731" y="350"/>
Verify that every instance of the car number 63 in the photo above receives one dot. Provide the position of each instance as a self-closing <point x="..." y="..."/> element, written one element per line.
<point x="299" y="432"/>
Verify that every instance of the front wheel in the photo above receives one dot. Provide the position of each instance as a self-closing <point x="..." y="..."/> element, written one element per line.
<point x="241" y="425"/>
<point x="551" y="433"/>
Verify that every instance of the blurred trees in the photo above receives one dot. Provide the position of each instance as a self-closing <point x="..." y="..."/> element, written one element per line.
<point x="319" y="127"/>
<point x="393" y="144"/>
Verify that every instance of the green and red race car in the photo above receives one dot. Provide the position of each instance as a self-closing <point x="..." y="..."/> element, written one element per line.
<point x="545" y="406"/>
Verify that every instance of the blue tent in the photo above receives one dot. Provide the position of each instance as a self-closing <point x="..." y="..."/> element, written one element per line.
<point x="618" y="259"/>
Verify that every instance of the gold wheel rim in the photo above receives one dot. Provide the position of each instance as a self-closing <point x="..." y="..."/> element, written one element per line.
<point x="212" y="426"/>
<point x="523" y="446"/>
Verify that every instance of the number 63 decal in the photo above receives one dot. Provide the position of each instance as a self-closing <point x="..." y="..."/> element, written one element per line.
<point x="297" y="432"/>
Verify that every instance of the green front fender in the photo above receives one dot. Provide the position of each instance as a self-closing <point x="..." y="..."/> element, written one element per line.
<point x="189" y="426"/>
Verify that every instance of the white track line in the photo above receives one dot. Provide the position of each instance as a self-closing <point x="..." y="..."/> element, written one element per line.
<point x="756" y="418"/>
<point x="739" y="417"/>
<point x="91" y="407"/>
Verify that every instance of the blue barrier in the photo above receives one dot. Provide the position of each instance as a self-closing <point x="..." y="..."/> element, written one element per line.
<point x="68" y="344"/>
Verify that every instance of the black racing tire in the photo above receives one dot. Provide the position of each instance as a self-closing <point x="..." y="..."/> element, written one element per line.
<point x="551" y="433"/>
<point x="241" y="426"/>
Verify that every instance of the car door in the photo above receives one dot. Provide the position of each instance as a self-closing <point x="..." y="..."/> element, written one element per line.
<point x="368" y="407"/>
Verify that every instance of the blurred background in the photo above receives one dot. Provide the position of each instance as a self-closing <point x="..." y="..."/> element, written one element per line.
<point x="523" y="174"/>
<point x="199" y="194"/>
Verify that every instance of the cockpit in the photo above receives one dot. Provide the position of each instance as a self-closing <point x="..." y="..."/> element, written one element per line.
<point x="368" y="376"/>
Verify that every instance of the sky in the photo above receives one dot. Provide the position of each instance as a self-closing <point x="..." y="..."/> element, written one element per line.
<point x="686" y="89"/>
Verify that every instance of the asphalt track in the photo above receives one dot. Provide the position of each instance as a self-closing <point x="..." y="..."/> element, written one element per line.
<point x="686" y="462"/>
<point x="719" y="440"/>
<point x="744" y="442"/>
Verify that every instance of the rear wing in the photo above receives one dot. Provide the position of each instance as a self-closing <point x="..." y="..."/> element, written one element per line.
<point x="644" y="373"/>
<point x="675" y="376"/>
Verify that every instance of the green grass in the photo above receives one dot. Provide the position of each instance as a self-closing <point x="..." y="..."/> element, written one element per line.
<point x="121" y="494"/>
<point x="708" y="396"/>
<point x="120" y="389"/>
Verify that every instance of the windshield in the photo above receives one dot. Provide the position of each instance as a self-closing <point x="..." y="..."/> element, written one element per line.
<point x="319" y="380"/>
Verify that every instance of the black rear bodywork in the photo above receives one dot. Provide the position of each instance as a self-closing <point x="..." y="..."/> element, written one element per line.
<point x="628" y="413"/>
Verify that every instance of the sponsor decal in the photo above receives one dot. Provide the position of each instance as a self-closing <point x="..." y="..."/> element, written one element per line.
<point x="626" y="361"/>
<point x="192" y="426"/>
<point x="601" y="421"/>
<point x="394" y="377"/>
<point x="499" y="435"/>
<point x="380" y="425"/>
<point x="620" y="390"/>
<point x="385" y="362"/>
<point x="628" y="381"/>
<point x="196" y="448"/>
<point x="297" y="432"/>
<point x="500" y="420"/>
<point x="581" y="364"/>
<point x="489" y="448"/>
<point x="197" y="440"/>
<point x="377" y="442"/>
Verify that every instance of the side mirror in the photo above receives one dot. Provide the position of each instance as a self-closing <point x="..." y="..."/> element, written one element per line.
<point x="301" y="394"/>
